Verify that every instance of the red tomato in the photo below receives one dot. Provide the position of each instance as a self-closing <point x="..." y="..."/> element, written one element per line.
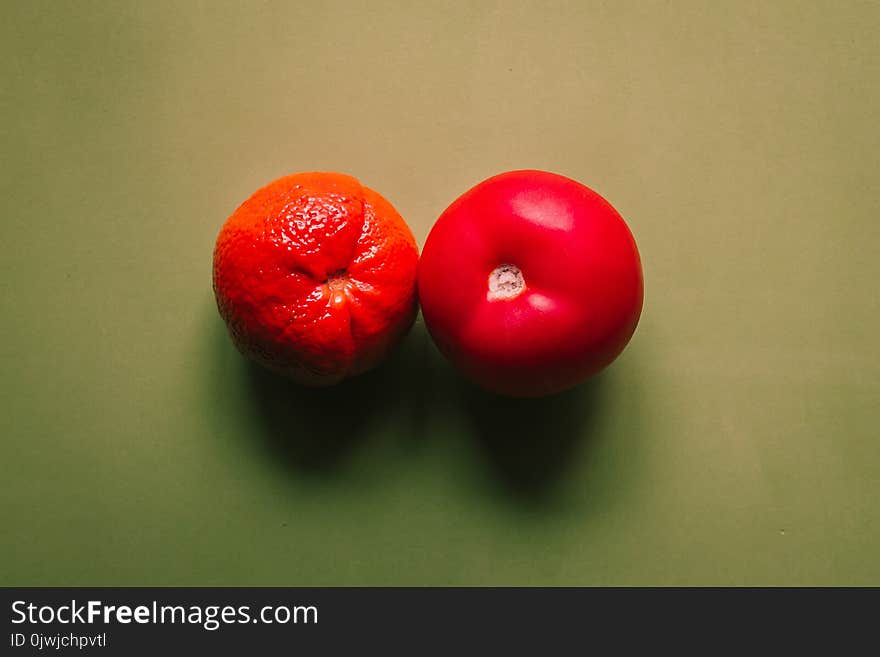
<point x="530" y="283"/>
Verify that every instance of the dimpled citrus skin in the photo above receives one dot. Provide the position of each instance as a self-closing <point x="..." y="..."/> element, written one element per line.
<point x="314" y="276"/>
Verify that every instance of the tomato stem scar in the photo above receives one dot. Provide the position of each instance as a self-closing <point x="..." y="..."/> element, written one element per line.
<point x="505" y="282"/>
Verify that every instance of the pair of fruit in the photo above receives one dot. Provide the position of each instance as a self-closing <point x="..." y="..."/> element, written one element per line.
<point x="529" y="283"/>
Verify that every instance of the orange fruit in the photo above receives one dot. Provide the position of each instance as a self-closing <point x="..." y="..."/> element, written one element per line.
<point x="314" y="276"/>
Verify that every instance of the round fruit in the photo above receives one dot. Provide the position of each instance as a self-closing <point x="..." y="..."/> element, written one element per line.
<point x="530" y="283"/>
<point x="314" y="276"/>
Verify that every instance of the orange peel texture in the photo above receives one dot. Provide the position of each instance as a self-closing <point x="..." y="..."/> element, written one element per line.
<point x="314" y="276"/>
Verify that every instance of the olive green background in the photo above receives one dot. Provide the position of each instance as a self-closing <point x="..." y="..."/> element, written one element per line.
<point x="735" y="441"/>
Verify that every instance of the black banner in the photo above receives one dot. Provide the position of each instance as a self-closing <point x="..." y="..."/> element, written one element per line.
<point x="147" y="621"/>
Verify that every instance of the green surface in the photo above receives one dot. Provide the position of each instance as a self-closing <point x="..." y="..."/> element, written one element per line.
<point x="735" y="442"/>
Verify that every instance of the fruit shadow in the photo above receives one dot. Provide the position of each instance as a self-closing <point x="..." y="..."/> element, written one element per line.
<point x="317" y="429"/>
<point x="529" y="446"/>
<point x="531" y="443"/>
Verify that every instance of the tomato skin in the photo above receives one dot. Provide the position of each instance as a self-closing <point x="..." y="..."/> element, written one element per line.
<point x="583" y="283"/>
